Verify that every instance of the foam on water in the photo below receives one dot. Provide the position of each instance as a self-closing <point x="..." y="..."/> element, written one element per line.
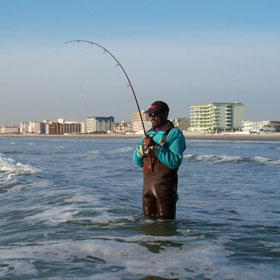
<point x="234" y="159"/>
<point x="22" y="143"/>
<point x="11" y="168"/>
<point x="53" y="215"/>
<point x="63" y="214"/>
<point x="77" y="198"/>
<point x="94" y="152"/>
<point x="274" y="246"/>
<point x="190" y="260"/>
<point x="107" y="219"/>
<point x="124" y="150"/>
<point x="130" y="258"/>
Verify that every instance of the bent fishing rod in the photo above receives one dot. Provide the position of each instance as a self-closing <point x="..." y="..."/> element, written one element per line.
<point x="118" y="64"/>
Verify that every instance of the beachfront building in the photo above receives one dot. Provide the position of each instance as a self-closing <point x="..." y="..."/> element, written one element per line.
<point x="217" y="117"/>
<point x="137" y="126"/>
<point x="100" y="124"/>
<point x="40" y="128"/>
<point x="181" y="123"/>
<point x="70" y="127"/>
<point x="24" y="127"/>
<point x="9" y="129"/>
<point x="32" y="127"/>
<point x="51" y="127"/>
<point x="254" y="126"/>
<point x="271" y="126"/>
<point x="63" y="127"/>
<point x="123" y="127"/>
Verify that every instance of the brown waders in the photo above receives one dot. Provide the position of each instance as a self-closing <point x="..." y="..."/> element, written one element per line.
<point x="159" y="188"/>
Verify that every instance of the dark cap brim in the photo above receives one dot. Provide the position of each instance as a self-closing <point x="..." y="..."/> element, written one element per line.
<point x="152" y="111"/>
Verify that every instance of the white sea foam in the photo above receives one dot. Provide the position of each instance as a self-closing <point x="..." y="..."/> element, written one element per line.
<point x="53" y="215"/>
<point x="237" y="159"/>
<point x="22" y="143"/>
<point x="191" y="261"/>
<point x="77" y="198"/>
<point x="16" y="188"/>
<point x="106" y="218"/>
<point x="212" y="158"/>
<point x="126" y="149"/>
<point x="148" y="238"/>
<point x="134" y="258"/>
<point x="21" y="267"/>
<point x="273" y="246"/>
<point x="12" y="168"/>
<point x="94" y="152"/>
<point x="68" y="213"/>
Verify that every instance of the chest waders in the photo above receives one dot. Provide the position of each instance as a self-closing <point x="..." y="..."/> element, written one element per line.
<point x="159" y="188"/>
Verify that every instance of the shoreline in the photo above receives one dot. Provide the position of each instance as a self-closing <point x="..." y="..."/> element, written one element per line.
<point x="222" y="137"/>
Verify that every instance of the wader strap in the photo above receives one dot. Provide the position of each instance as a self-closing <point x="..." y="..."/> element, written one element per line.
<point x="162" y="142"/>
<point x="152" y="154"/>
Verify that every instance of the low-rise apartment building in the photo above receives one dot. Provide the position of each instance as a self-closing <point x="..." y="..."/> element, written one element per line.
<point x="63" y="127"/>
<point x="253" y="126"/>
<point x="9" y="129"/>
<point x="51" y="127"/>
<point x="261" y="126"/>
<point x="123" y="127"/>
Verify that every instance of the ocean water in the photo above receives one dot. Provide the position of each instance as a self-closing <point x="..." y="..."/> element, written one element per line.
<point x="70" y="208"/>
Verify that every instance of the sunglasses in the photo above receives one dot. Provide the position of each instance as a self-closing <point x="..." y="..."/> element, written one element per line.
<point x="155" y="115"/>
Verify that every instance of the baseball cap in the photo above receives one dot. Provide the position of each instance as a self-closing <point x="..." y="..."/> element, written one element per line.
<point x="157" y="107"/>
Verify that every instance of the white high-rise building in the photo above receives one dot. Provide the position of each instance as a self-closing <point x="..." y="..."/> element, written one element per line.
<point x="100" y="124"/>
<point x="137" y="126"/>
<point x="216" y="117"/>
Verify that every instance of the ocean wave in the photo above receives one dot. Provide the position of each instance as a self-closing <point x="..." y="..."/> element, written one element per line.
<point x="12" y="152"/>
<point x="232" y="159"/>
<point x="129" y="260"/>
<point x="135" y="259"/>
<point x="94" y="152"/>
<point x="54" y="215"/>
<point x="22" y="143"/>
<point x="126" y="149"/>
<point x="12" y="168"/>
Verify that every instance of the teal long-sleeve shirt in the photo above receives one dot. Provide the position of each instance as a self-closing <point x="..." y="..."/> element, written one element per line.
<point x="171" y="153"/>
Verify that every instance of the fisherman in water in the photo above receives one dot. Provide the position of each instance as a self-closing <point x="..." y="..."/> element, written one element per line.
<point x="160" y="154"/>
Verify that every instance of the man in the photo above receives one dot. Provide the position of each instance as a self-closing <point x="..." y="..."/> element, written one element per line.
<point x="160" y="154"/>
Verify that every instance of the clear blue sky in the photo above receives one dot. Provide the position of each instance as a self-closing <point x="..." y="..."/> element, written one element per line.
<point x="180" y="51"/>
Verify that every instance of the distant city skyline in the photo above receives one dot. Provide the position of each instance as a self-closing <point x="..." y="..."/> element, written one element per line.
<point x="183" y="52"/>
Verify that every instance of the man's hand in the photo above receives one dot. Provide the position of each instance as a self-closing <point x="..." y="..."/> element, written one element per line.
<point x="148" y="141"/>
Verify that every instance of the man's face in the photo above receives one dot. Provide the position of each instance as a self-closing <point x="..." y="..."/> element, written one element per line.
<point x="158" y="119"/>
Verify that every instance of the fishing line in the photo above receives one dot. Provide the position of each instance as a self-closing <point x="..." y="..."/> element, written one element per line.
<point x="118" y="64"/>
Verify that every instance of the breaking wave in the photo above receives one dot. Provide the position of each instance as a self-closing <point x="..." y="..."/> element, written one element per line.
<point x="232" y="159"/>
<point x="10" y="167"/>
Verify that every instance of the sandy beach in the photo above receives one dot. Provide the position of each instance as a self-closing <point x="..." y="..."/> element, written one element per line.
<point x="220" y="136"/>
